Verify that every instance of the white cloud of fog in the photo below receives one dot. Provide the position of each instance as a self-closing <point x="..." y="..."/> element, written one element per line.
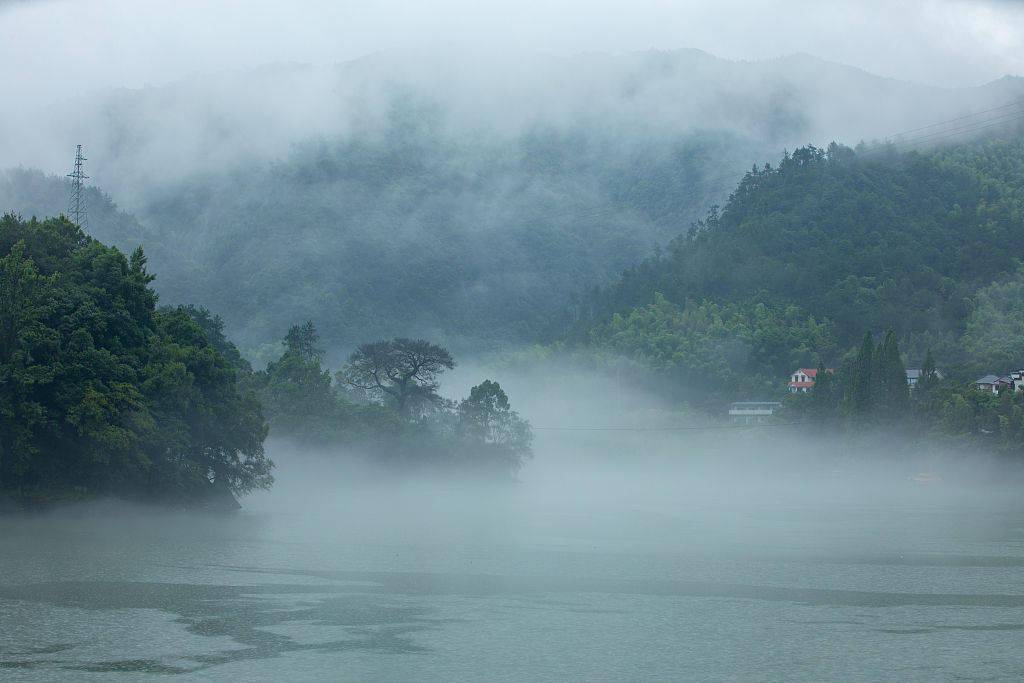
<point x="55" y="48"/>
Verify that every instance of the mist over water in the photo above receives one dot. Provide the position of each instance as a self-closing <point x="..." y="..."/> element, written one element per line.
<point x="751" y="553"/>
<point x="480" y="175"/>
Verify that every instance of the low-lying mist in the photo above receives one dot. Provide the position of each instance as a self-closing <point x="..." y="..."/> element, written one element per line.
<point x="783" y="514"/>
<point x="595" y="483"/>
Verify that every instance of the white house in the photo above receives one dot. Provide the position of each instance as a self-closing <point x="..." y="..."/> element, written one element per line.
<point x="1016" y="379"/>
<point x="802" y="380"/>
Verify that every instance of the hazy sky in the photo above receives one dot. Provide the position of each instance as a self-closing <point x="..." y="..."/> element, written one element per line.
<point x="60" y="47"/>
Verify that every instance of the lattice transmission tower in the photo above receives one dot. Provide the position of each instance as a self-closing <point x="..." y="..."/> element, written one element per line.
<point x="76" y="202"/>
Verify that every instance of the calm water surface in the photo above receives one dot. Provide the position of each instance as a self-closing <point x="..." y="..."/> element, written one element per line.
<point x="530" y="582"/>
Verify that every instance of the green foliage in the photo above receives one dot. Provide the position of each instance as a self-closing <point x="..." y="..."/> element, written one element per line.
<point x="100" y="392"/>
<point x="213" y="328"/>
<point x="872" y="384"/>
<point x="929" y="379"/>
<point x="713" y="350"/>
<point x="875" y="393"/>
<point x="859" y="391"/>
<point x="883" y="240"/>
<point x="491" y="430"/>
<point x="825" y="397"/>
<point x="402" y="372"/>
<point x="994" y="335"/>
<point x="385" y="404"/>
<point x="890" y="394"/>
<point x="296" y="391"/>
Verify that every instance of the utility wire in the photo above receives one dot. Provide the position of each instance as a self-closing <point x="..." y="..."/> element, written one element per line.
<point x="1015" y="103"/>
<point x="963" y="129"/>
<point x="598" y="428"/>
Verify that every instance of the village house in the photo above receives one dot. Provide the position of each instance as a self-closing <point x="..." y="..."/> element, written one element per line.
<point x="992" y="383"/>
<point x="1017" y="380"/>
<point x="802" y="380"/>
<point x="914" y="376"/>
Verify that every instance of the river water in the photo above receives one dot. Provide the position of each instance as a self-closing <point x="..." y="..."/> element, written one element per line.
<point x="592" y="570"/>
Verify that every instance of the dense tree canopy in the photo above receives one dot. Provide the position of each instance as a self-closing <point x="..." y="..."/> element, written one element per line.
<point x="709" y="350"/>
<point x="101" y="392"/>
<point x="845" y="240"/>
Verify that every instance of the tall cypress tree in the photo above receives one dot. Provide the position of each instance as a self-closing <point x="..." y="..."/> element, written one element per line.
<point x="859" y="392"/>
<point x="889" y="379"/>
<point x="823" y="395"/>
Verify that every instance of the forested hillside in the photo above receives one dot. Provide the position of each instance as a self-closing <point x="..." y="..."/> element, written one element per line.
<point x="808" y="255"/>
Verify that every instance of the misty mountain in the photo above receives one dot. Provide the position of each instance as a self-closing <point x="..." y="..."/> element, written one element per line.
<point x="460" y="198"/>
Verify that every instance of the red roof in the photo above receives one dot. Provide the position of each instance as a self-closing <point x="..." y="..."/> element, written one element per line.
<point x="801" y="385"/>
<point x="812" y="372"/>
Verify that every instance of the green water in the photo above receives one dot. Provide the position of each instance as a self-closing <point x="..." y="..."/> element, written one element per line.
<point x="576" y="579"/>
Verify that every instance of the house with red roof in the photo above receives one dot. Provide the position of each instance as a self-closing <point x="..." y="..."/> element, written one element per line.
<point x="802" y="380"/>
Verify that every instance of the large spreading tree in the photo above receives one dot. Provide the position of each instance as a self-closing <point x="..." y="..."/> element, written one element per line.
<point x="401" y="371"/>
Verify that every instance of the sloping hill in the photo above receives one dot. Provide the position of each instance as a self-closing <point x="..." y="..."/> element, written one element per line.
<point x="859" y="241"/>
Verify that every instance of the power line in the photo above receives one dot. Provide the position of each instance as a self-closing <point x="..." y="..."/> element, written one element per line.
<point x="610" y="428"/>
<point x="1015" y="103"/>
<point x="963" y="129"/>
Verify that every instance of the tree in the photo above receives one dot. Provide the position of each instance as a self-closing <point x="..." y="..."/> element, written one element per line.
<point x="890" y="392"/>
<point x="22" y="293"/>
<point x="859" y="392"/>
<point x="994" y="331"/>
<point x="712" y="350"/>
<point x="489" y="426"/>
<point x="213" y="327"/>
<point x="958" y="416"/>
<point x="920" y="275"/>
<point x="103" y="394"/>
<point x="296" y="390"/>
<point x="221" y="428"/>
<point x="401" y="371"/>
<point x="823" y="396"/>
<point x="929" y="374"/>
<point x="303" y="342"/>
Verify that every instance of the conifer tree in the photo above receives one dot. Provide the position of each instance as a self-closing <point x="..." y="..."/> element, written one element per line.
<point x="823" y="395"/>
<point x="889" y="379"/>
<point x="859" y="392"/>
